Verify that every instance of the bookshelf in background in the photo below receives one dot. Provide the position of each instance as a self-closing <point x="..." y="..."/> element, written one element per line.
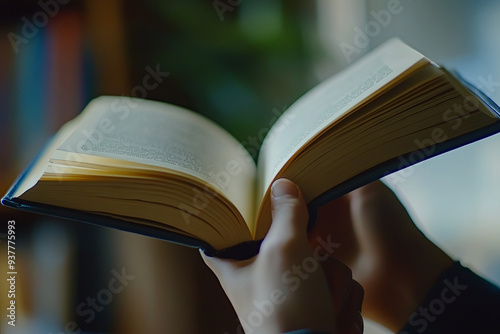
<point x="29" y="119"/>
<point x="65" y="78"/>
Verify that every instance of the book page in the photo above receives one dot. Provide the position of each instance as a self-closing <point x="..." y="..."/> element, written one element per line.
<point x="328" y="103"/>
<point x="163" y="135"/>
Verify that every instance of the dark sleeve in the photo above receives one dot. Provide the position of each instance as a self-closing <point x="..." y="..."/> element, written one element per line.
<point x="306" y="331"/>
<point x="459" y="302"/>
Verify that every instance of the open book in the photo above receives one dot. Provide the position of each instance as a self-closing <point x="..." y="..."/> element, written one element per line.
<point x="166" y="172"/>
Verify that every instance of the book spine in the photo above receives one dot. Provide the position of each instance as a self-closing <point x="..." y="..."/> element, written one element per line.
<point x="30" y="71"/>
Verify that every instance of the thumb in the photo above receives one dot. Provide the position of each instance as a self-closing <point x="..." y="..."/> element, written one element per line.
<point x="289" y="211"/>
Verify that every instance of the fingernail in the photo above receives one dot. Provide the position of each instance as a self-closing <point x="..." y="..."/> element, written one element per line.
<point x="284" y="187"/>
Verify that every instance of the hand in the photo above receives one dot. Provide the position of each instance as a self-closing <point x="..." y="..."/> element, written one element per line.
<point x="284" y="287"/>
<point x="394" y="262"/>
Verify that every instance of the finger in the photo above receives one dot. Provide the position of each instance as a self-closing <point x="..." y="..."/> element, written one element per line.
<point x="289" y="212"/>
<point x="379" y="218"/>
<point x="334" y="219"/>
<point x="221" y="267"/>
<point x="339" y="278"/>
<point x="376" y="199"/>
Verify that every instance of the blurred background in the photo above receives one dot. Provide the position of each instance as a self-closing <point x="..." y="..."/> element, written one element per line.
<point x="239" y="63"/>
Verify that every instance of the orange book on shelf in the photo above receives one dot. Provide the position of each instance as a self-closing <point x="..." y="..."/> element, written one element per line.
<point x="65" y="78"/>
